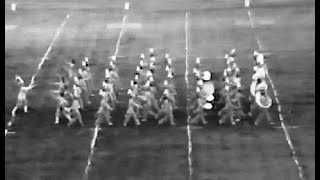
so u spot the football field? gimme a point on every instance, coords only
(53, 32)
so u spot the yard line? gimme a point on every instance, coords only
(7, 132)
(124, 20)
(45, 56)
(96, 129)
(188, 99)
(93, 143)
(253, 27)
(280, 113)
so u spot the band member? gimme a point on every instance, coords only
(86, 75)
(104, 109)
(227, 113)
(261, 104)
(109, 88)
(147, 106)
(131, 113)
(84, 88)
(76, 94)
(75, 113)
(166, 111)
(199, 111)
(62, 108)
(71, 69)
(22, 100)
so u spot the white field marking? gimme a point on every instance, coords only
(124, 20)
(188, 99)
(6, 131)
(288, 127)
(55, 83)
(96, 129)
(191, 127)
(280, 113)
(93, 143)
(262, 22)
(45, 56)
(10, 27)
(285, 130)
(128, 26)
(253, 27)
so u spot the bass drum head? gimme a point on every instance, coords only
(207, 106)
(208, 88)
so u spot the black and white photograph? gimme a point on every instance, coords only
(159, 90)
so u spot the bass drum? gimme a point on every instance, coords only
(207, 106)
(263, 101)
(208, 88)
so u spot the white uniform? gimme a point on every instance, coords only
(71, 71)
(229, 60)
(86, 75)
(262, 103)
(147, 107)
(167, 110)
(197, 73)
(109, 87)
(77, 96)
(105, 96)
(84, 90)
(131, 113)
(21, 99)
(228, 112)
(199, 111)
(260, 59)
(227, 72)
(237, 82)
(171, 97)
(143, 76)
(22, 96)
(114, 75)
(152, 66)
(170, 73)
(104, 111)
(259, 74)
(75, 113)
(62, 109)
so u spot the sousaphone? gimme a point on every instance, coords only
(263, 101)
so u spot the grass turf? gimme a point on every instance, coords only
(41, 151)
